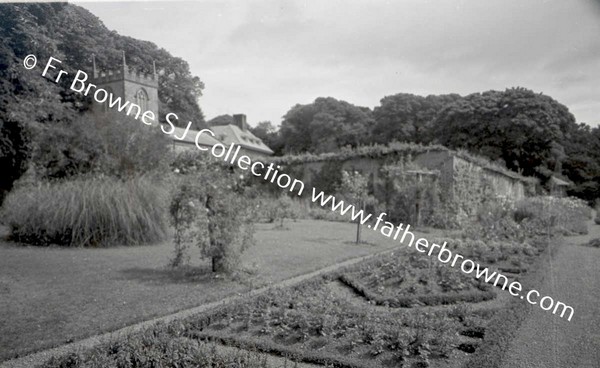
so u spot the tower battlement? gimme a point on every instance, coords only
(129, 74)
(129, 84)
(125, 72)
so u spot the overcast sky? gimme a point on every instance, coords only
(262, 57)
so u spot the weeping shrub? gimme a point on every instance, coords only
(93, 212)
(208, 209)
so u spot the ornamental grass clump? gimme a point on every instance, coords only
(95, 212)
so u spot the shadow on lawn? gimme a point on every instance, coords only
(181, 275)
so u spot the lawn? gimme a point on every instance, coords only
(50, 296)
(327, 322)
(428, 316)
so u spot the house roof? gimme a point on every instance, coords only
(559, 182)
(233, 134)
(190, 138)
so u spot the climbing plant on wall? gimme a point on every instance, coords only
(413, 193)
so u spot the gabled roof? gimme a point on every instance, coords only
(559, 182)
(205, 139)
(233, 134)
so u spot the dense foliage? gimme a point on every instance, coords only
(208, 210)
(525, 129)
(407, 280)
(527, 132)
(316, 325)
(269, 135)
(113, 144)
(160, 346)
(324, 126)
(30, 103)
(407, 118)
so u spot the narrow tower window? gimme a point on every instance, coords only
(141, 99)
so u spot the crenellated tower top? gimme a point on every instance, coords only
(125, 72)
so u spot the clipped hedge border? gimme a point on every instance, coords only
(294, 354)
(409, 301)
(505, 324)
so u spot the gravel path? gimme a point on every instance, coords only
(547, 341)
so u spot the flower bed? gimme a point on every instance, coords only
(313, 325)
(406, 280)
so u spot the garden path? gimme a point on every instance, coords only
(547, 341)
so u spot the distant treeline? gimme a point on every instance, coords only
(527, 132)
(41, 122)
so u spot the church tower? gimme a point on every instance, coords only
(129, 84)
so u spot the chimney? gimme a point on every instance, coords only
(240, 121)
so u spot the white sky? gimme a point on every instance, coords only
(261, 57)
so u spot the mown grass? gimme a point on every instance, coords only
(87, 212)
(79, 292)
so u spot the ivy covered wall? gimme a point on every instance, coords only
(450, 186)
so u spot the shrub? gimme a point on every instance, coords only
(319, 213)
(271, 209)
(209, 210)
(87, 212)
(595, 243)
(540, 215)
(495, 221)
(111, 144)
(160, 346)
(286, 208)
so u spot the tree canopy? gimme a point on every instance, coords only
(406, 117)
(325, 125)
(528, 132)
(524, 129)
(31, 104)
(270, 136)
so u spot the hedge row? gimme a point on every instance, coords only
(296, 354)
(409, 301)
(160, 346)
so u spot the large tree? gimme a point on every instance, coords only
(270, 136)
(324, 126)
(582, 164)
(524, 129)
(32, 105)
(406, 117)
